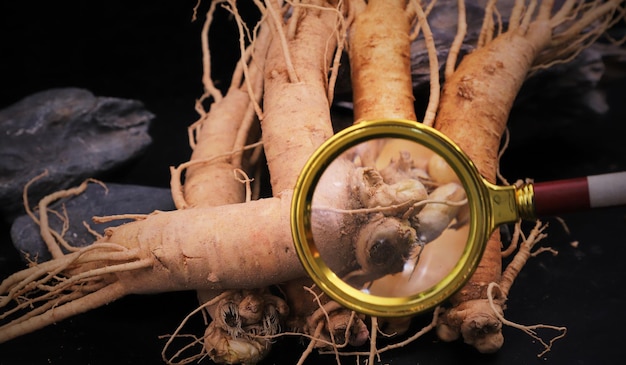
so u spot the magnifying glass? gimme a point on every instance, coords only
(416, 213)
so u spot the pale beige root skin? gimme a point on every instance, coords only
(210, 180)
(297, 118)
(434, 218)
(219, 135)
(391, 190)
(264, 248)
(380, 48)
(297, 121)
(297, 112)
(379, 40)
(187, 252)
(218, 132)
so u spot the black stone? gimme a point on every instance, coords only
(70, 133)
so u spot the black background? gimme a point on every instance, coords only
(150, 51)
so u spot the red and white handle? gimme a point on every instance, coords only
(562, 196)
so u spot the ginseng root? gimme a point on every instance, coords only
(474, 108)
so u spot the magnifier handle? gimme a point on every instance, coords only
(562, 196)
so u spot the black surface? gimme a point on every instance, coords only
(151, 52)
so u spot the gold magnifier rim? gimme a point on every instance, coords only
(354, 298)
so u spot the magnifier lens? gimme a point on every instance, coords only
(402, 209)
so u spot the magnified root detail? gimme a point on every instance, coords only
(400, 211)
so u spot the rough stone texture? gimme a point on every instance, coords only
(70, 133)
(95, 201)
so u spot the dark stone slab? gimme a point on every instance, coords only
(95, 201)
(70, 133)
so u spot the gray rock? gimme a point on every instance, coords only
(70, 133)
(95, 201)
